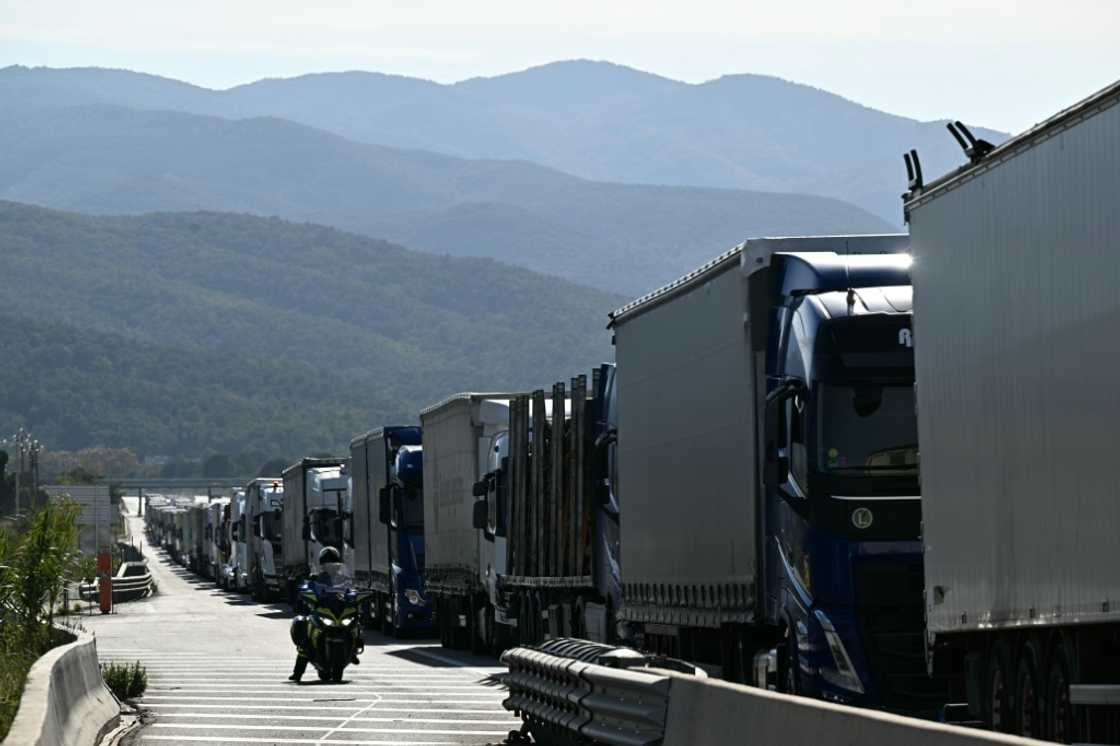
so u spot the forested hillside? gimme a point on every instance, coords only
(178, 333)
(619, 237)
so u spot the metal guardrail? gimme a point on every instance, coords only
(566, 695)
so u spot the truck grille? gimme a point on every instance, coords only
(892, 623)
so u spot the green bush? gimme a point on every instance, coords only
(125, 681)
(38, 554)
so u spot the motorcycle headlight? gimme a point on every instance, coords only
(327, 621)
(413, 596)
(348, 622)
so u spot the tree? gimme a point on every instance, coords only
(273, 467)
(217, 466)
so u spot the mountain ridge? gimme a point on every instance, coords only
(624, 238)
(742, 130)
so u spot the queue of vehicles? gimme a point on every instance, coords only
(743, 488)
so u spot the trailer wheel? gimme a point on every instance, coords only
(998, 701)
(385, 612)
(475, 631)
(1029, 692)
(1061, 724)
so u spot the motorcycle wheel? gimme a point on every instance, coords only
(336, 673)
(324, 674)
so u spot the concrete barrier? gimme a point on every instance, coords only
(709, 712)
(65, 701)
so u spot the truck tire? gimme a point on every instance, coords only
(789, 666)
(998, 704)
(1029, 692)
(385, 609)
(1061, 723)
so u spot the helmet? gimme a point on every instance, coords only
(328, 555)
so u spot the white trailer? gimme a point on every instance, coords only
(266, 503)
(315, 515)
(462, 563)
(1015, 315)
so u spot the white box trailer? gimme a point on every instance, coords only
(462, 565)
(1016, 310)
(315, 493)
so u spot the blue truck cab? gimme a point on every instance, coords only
(411, 611)
(401, 517)
(843, 562)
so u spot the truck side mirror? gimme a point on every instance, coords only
(385, 504)
(480, 515)
(480, 489)
(776, 469)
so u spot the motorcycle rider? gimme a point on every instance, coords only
(331, 575)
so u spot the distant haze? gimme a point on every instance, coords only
(1005, 64)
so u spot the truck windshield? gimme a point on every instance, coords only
(270, 526)
(326, 527)
(867, 428)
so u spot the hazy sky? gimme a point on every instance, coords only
(1000, 64)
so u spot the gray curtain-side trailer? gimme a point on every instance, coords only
(1016, 308)
(767, 470)
(462, 565)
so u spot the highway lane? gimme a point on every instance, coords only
(218, 665)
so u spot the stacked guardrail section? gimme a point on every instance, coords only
(132, 581)
(577, 692)
(566, 696)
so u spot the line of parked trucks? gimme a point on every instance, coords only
(872, 469)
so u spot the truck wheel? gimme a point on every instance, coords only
(386, 610)
(789, 666)
(997, 702)
(1028, 692)
(474, 629)
(1061, 725)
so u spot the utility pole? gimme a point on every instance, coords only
(21, 437)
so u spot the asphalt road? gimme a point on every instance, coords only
(218, 665)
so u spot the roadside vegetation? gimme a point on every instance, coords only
(38, 556)
(125, 681)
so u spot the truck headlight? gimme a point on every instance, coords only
(844, 675)
(413, 597)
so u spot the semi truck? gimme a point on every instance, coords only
(768, 471)
(314, 516)
(195, 530)
(461, 566)
(547, 492)
(238, 572)
(1015, 299)
(387, 493)
(266, 503)
(216, 538)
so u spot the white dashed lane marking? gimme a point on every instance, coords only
(200, 699)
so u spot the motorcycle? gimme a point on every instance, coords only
(329, 636)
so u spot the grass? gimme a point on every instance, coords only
(125, 681)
